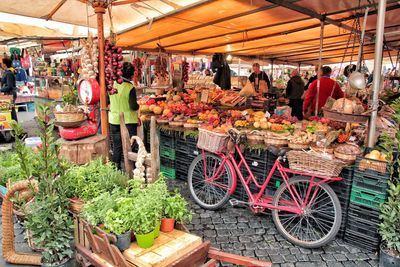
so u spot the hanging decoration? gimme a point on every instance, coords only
(89, 58)
(185, 71)
(137, 65)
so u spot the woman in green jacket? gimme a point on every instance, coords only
(124, 101)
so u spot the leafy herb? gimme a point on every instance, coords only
(176, 207)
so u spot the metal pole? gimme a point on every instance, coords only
(321, 43)
(272, 71)
(100, 10)
(360, 50)
(380, 28)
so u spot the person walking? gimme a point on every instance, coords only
(124, 101)
(8, 84)
(294, 91)
(328, 88)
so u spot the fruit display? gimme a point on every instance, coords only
(376, 155)
(114, 62)
(350, 106)
(302, 137)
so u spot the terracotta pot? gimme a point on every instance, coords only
(167, 225)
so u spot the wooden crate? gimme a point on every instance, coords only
(167, 248)
(84, 150)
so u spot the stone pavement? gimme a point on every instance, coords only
(237, 230)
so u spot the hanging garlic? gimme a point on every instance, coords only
(139, 171)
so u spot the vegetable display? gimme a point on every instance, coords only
(185, 71)
(113, 61)
(89, 59)
(137, 65)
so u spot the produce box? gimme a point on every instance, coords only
(366, 197)
(169, 173)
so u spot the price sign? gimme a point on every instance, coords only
(204, 96)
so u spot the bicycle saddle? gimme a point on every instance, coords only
(278, 151)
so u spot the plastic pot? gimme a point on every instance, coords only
(123, 241)
(387, 260)
(157, 230)
(167, 225)
(145, 240)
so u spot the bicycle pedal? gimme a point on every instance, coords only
(237, 203)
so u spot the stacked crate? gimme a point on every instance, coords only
(186, 151)
(167, 155)
(367, 194)
(343, 190)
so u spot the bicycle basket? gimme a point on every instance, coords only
(211, 141)
(313, 163)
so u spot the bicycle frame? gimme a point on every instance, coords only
(259, 200)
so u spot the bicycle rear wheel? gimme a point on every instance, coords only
(320, 221)
(214, 193)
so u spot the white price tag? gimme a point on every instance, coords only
(267, 114)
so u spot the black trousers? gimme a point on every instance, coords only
(115, 134)
(297, 108)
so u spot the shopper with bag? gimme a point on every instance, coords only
(328, 88)
(124, 101)
(260, 80)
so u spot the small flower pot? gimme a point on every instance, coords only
(145, 240)
(123, 241)
(157, 230)
(167, 225)
(388, 260)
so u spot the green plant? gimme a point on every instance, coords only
(118, 220)
(72, 97)
(48, 220)
(176, 207)
(143, 215)
(96, 209)
(389, 229)
(157, 193)
(91, 180)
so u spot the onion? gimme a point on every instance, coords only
(119, 73)
(120, 58)
(119, 50)
(120, 80)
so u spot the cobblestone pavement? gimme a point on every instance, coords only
(237, 230)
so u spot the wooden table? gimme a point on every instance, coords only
(167, 248)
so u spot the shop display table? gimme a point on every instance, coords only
(167, 248)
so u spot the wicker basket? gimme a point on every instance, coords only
(299, 146)
(75, 205)
(254, 139)
(211, 141)
(375, 165)
(314, 163)
(348, 158)
(328, 149)
(69, 116)
(176, 124)
(274, 141)
(344, 117)
(162, 121)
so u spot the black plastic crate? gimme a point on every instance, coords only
(364, 213)
(240, 192)
(361, 241)
(167, 140)
(370, 181)
(362, 226)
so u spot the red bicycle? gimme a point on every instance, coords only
(305, 209)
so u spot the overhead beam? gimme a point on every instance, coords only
(54, 10)
(124, 2)
(327, 20)
(213, 22)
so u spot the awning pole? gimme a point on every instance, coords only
(272, 71)
(360, 50)
(321, 43)
(100, 10)
(380, 28)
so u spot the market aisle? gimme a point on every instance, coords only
(238, 231)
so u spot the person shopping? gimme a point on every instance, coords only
(124, 101)
(8, 84)
(260, 80)
(328, 88)
(294, 91)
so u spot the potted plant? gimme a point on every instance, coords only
(144, 216)
(175, 210)
(157, 193)
(118, 221)
(48, 218)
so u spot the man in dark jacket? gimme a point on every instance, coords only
(8, 85)
(294, 91)
(312, 78)
(222, 76)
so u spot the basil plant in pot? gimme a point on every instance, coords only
(175, 210)
(157, 193)
(118, 221)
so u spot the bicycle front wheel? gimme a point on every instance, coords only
(209, 182)
(320, 221)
